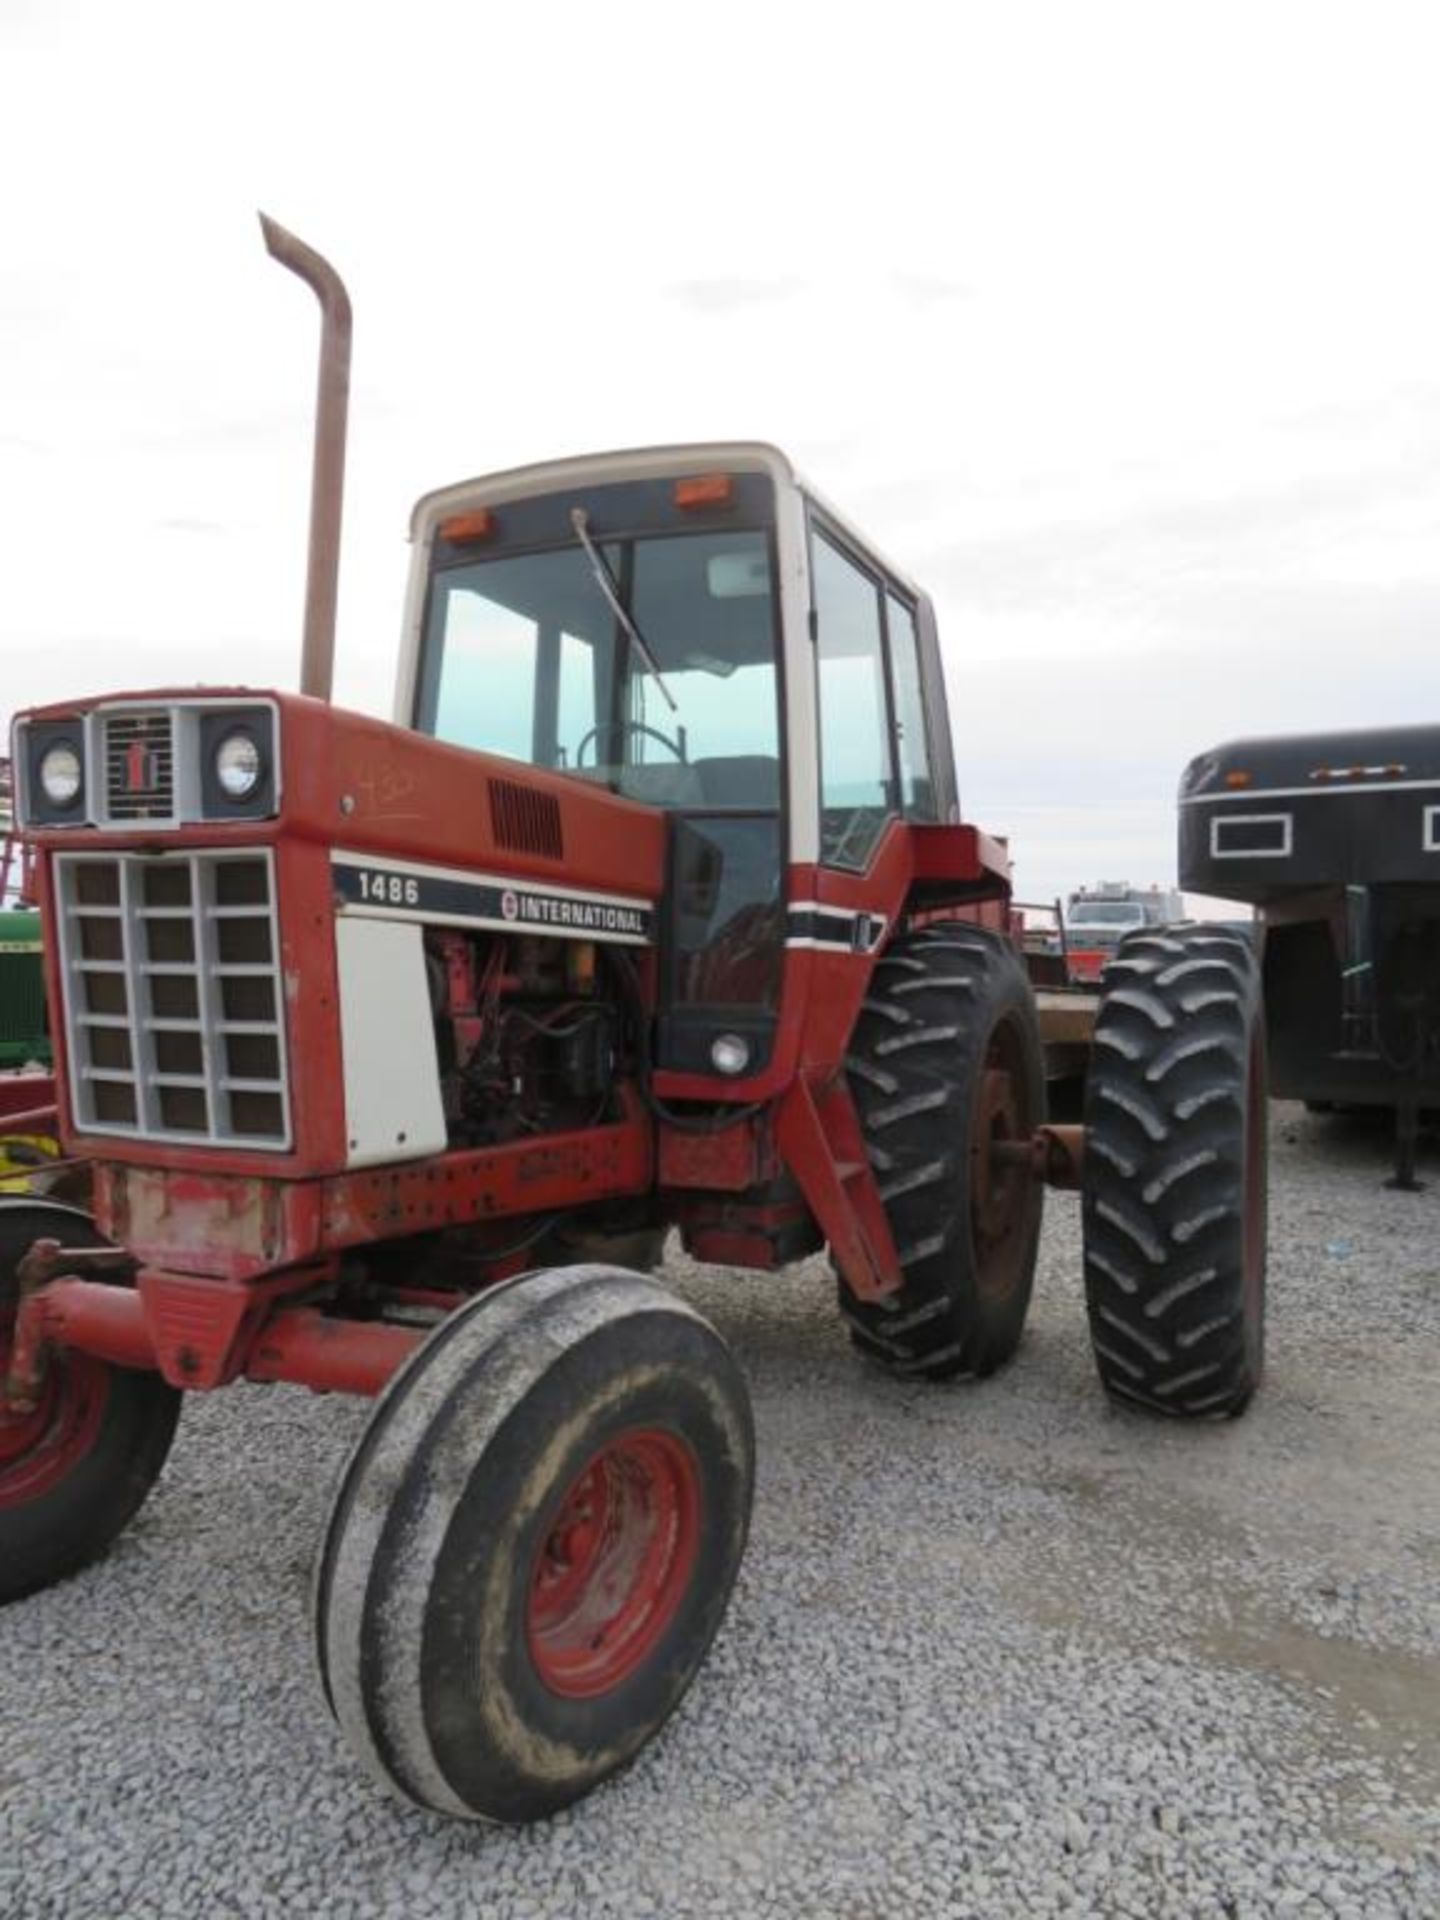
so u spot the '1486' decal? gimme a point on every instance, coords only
(388, 889)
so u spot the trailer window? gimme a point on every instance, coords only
(856, 777)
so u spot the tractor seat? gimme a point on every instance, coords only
(740, 780)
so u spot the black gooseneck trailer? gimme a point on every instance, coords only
(1334, 839)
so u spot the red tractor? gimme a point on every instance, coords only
(394, 1049)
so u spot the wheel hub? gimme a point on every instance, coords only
(614, 1563)
(42, 1442)
(998, 1185)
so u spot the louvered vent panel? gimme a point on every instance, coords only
(526, 821)
(139, 766)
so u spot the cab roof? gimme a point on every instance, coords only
(640, 463)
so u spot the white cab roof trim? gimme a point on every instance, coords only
(632, 463)
(643, 463)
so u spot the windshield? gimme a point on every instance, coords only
(525, 656)
(1096, 913)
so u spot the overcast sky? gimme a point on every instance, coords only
(1117, 327)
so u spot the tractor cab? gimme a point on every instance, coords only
(692, 628)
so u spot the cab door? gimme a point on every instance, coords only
(724, 941)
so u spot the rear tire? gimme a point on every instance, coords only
(75, 1471)
(533, 1546)
(946, 1057)
(1175, 1174)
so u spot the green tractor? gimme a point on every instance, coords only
(27, 1089)
(23, 1039)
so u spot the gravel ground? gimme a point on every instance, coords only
(997, 1649)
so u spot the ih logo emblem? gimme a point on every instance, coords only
(141, 764)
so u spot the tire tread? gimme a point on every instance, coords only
(1173, 1325)
(913, 1064)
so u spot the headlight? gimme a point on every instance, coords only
(238, 766)
(61, 774)
(730, 1053)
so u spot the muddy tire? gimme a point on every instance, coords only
(533, 1545)
(1175, 1174)
(76, 1469)
(945, 1058)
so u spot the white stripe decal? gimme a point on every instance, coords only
(805, 944)
(1330, 790)
(859, 931)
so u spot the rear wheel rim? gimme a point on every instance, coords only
(38, 1449)
(614, 1564)
(1002, 1195)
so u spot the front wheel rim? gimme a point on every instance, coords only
(39, 1448)
(616, 1559)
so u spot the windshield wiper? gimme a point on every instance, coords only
(605, 580)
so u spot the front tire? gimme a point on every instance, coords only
(75, 1470)
(1175, 1174)
(945, 1060)
(534, 1543)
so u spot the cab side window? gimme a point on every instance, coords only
(917, 789)
(857, 777)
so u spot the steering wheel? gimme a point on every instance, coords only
(625, 728)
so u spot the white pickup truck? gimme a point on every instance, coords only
(1097, 919)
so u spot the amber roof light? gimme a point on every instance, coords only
(705, 490)
(462, 528)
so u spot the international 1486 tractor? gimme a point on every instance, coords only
(393, 1049)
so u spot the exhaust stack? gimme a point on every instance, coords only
(327, 486)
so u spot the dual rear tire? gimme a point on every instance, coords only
(946, 1066)
(1175, 1174)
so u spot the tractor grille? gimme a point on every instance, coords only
(173, 1009)
(526, 821)
(139, 758)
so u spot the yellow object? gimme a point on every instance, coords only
(19, 1153)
